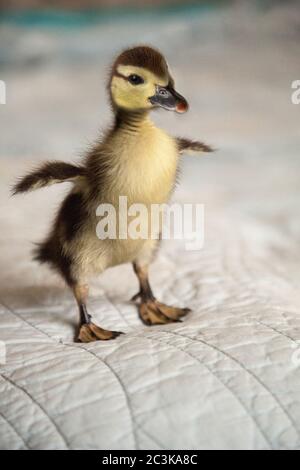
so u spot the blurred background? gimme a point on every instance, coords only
(234, 385)
(235, 62)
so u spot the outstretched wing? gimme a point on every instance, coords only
(47, 174)
(187, 145)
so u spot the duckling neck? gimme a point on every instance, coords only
(131, 121)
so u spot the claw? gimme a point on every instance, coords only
(135, 297)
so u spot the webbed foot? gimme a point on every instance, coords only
(153, 312)
(89, 332)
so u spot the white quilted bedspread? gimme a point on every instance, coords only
(228, 376)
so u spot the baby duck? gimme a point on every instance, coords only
(134, 159)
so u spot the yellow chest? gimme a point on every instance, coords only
(144, 165)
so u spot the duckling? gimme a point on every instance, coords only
(134, 158)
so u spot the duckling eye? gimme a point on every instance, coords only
(163, 92)
(135, 79)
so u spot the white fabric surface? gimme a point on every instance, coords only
(222, 379)
(225, 378)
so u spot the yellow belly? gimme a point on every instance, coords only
(144, 166)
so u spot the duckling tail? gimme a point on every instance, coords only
(47, 174)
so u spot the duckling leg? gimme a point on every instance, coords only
(87, 330)
(151, 311)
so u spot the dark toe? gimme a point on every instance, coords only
(115, 334)
(187, 310)
(135, 297)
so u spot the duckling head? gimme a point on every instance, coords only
(140, 80)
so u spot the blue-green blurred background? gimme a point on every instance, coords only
(234, 61)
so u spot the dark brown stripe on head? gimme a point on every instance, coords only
(143, 56)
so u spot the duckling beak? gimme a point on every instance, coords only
(168, 98)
